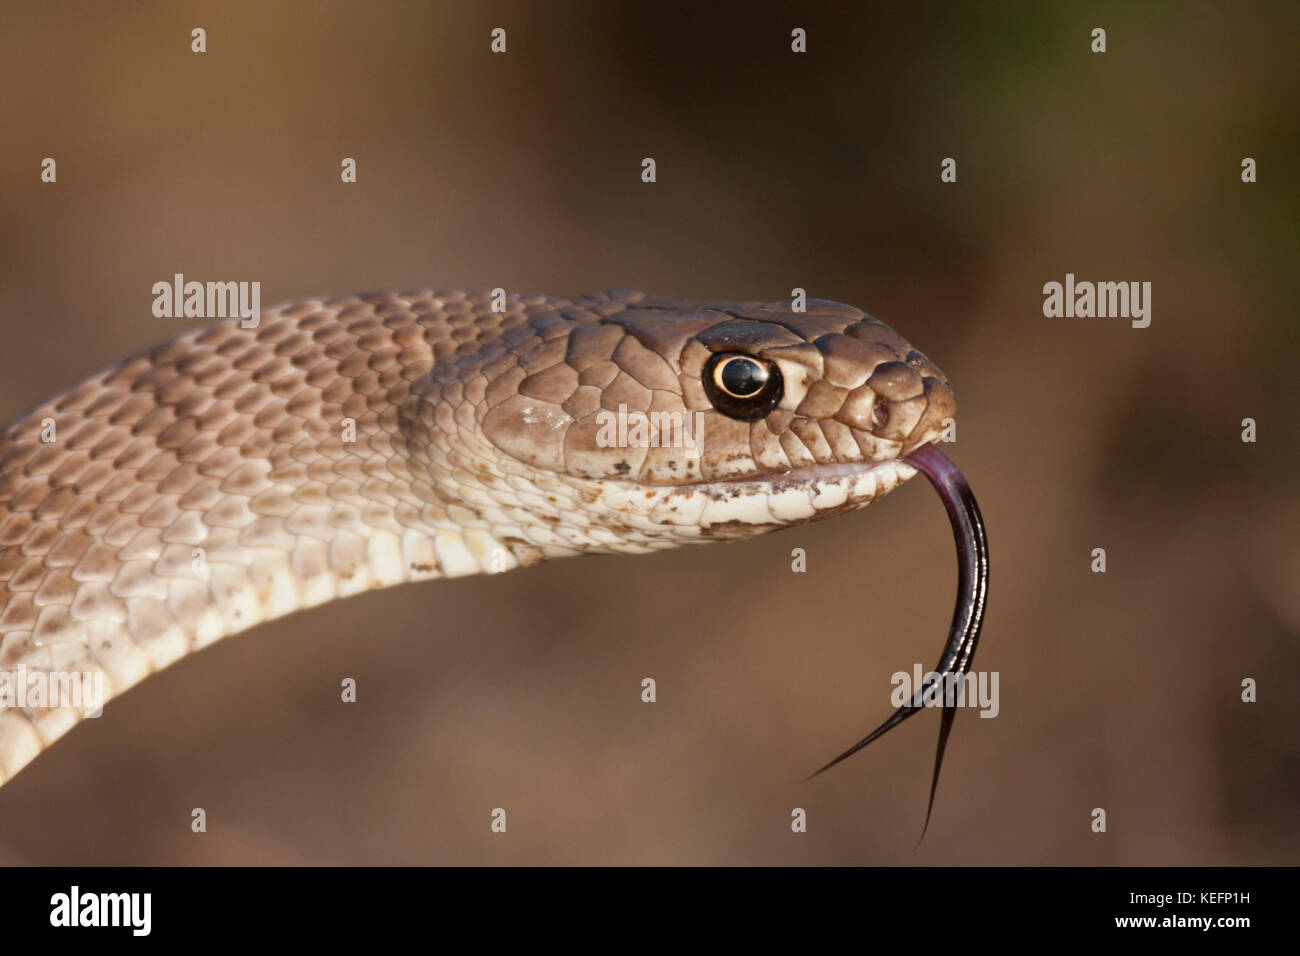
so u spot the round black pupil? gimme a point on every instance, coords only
(743, 377)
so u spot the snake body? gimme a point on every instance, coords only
(234, 475)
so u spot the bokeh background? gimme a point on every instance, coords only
(775, 170)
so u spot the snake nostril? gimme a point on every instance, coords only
(880, 414)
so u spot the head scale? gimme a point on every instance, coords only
(640, 421)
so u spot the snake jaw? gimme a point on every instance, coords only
(968, 613)
(752, 504)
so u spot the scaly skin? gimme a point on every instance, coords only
(213, 482)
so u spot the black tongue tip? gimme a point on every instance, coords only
(968, 614)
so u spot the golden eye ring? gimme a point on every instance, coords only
(742, 386)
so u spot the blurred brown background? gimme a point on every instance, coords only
(775, 170)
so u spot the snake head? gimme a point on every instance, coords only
(710, 419)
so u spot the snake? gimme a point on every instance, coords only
(244, 471)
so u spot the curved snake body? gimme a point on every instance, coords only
(235, 475)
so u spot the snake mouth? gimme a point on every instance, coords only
(816, 478)
(814, 474)
(746, 505)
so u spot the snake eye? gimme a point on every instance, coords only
(741, 386)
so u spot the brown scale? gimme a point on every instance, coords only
(231, 440)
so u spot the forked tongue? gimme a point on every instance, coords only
(967, 616)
